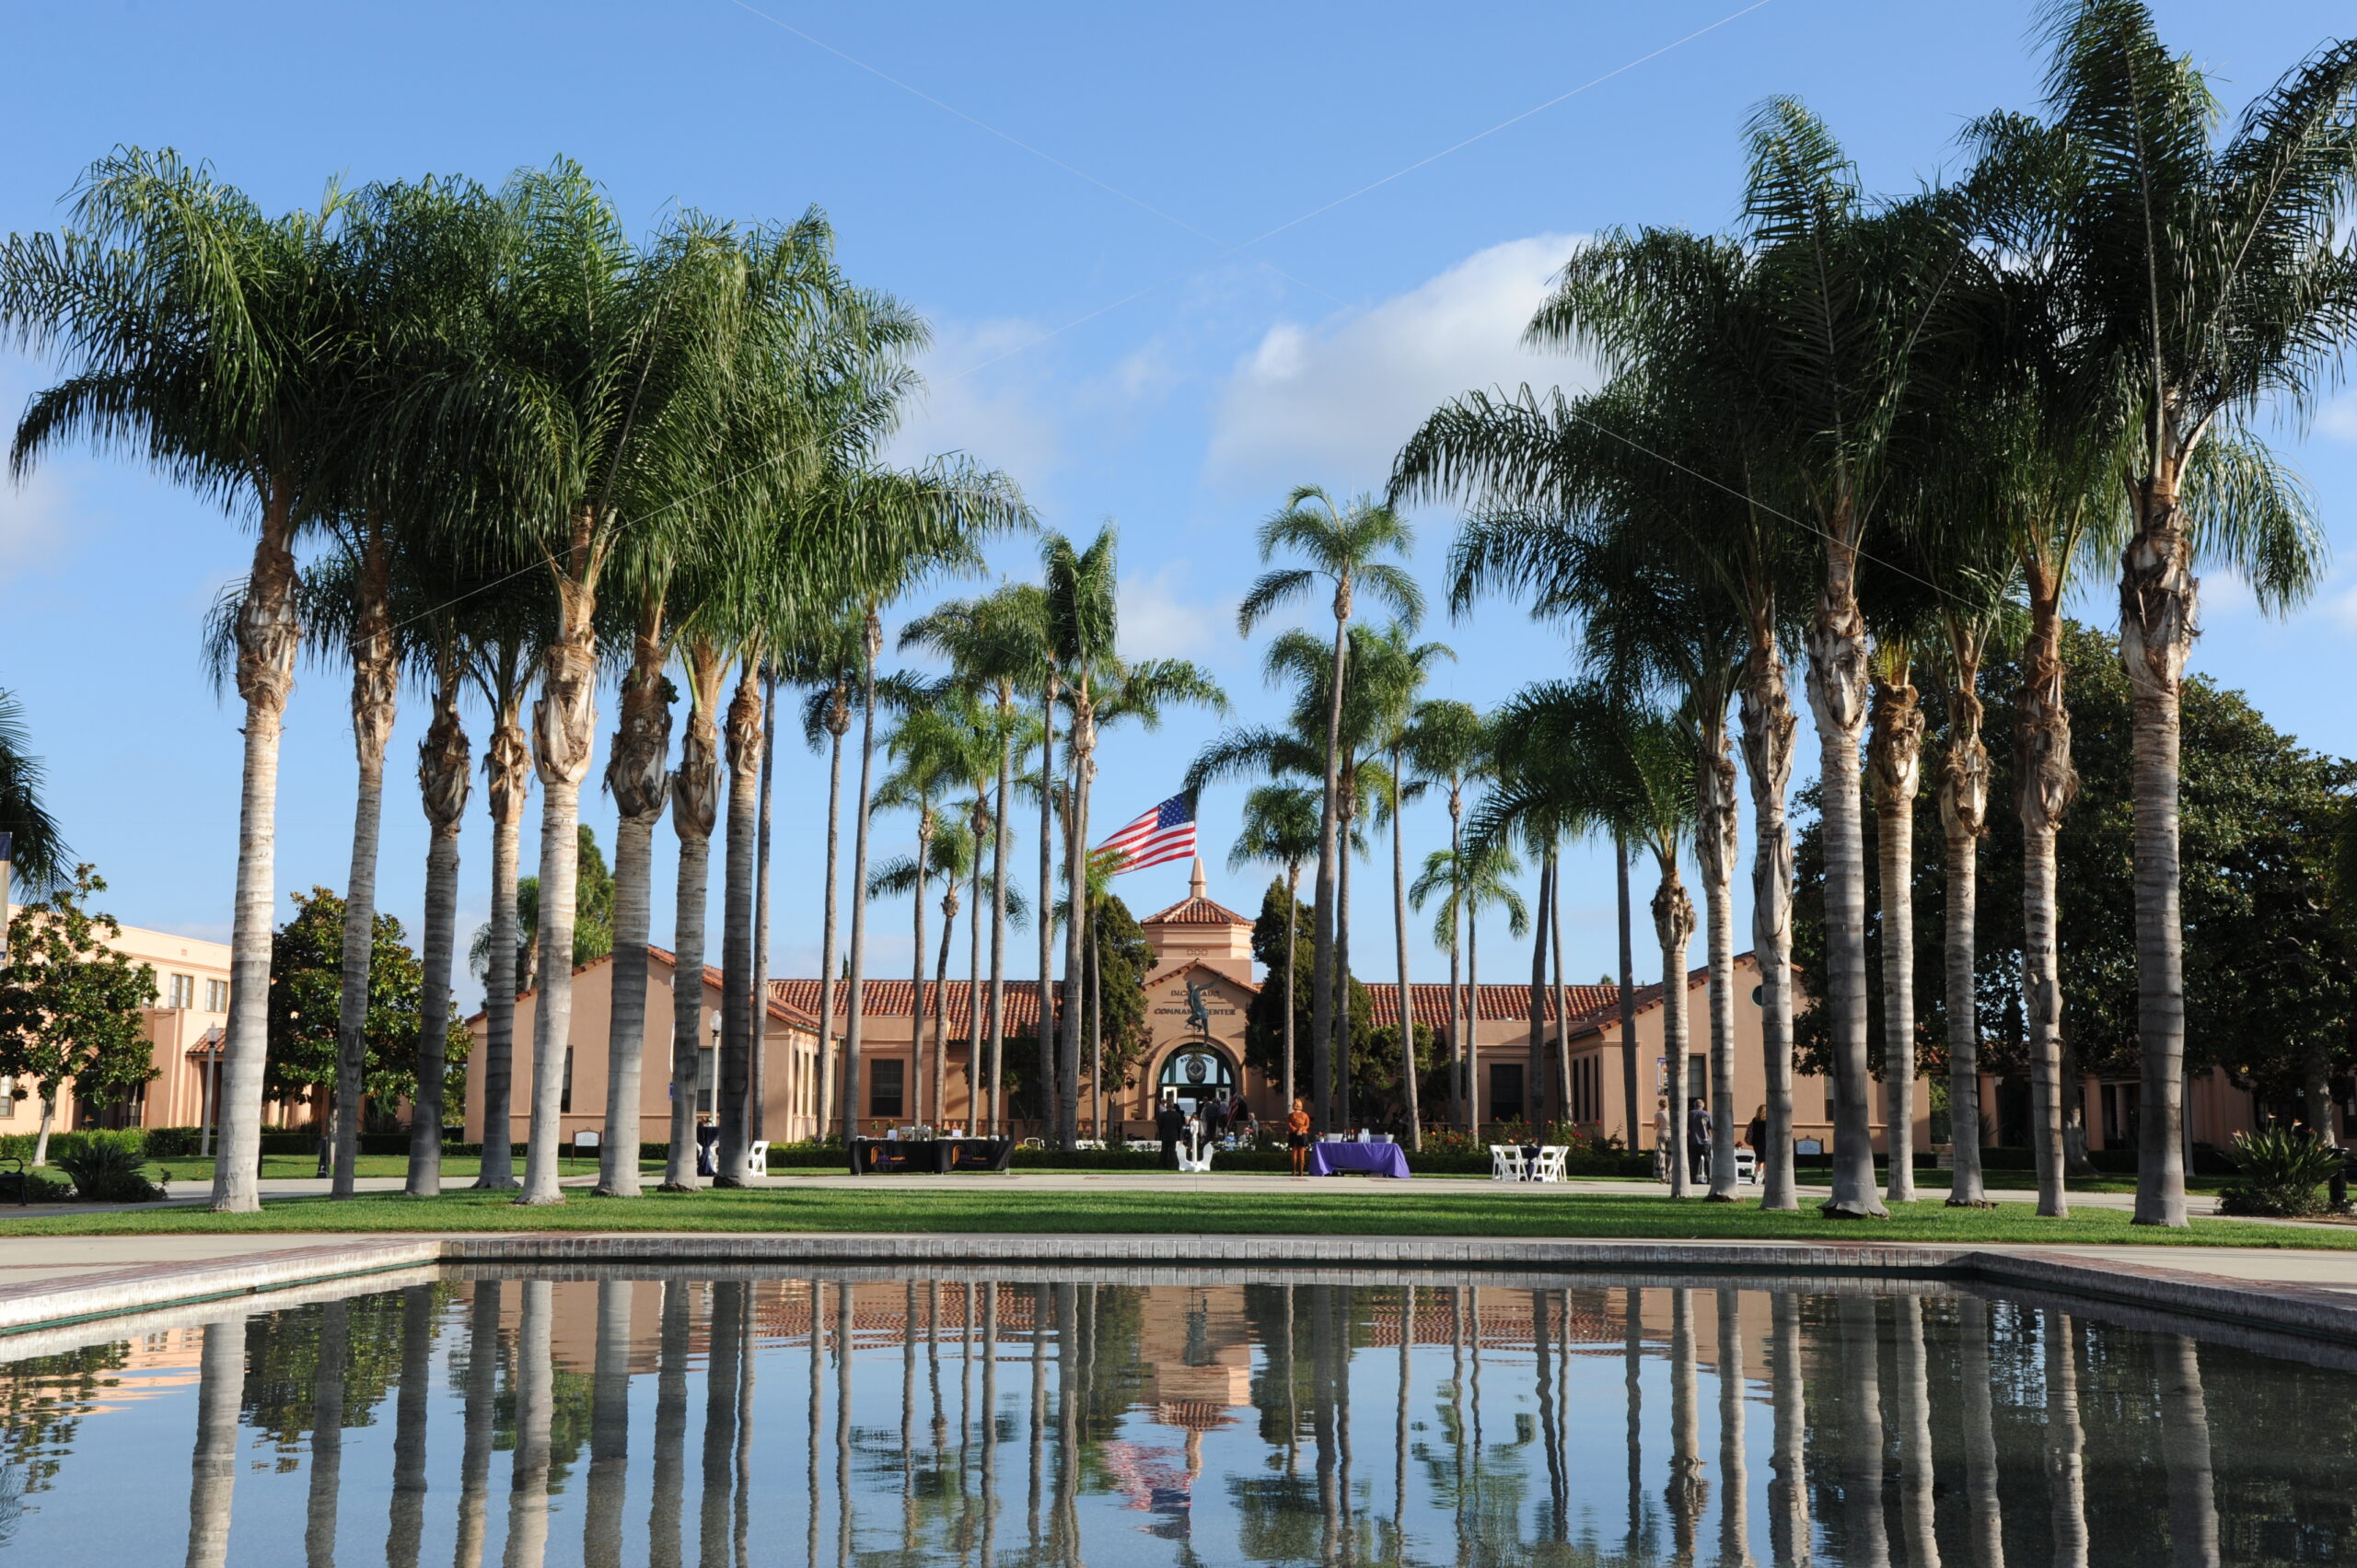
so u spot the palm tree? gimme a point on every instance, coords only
(1404, 667)
(1465, 881)
(204, 336)
(1893, 771)
(997, 646)
(926, 745)
(1280, 827)
(829, 667)
(502, 671)
(2251, 299)
(695, 807)
(1343, 545)
(948, 851)
(1449, 745)
(37, 849)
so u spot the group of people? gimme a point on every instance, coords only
(1213, 1120)
(1698, 1138)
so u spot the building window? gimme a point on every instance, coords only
(216, 996)
(1505, 1091)
(182, 992)
(9, 1102)
(883, 1079)
(564, 1096)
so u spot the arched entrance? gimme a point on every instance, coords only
(1196, 1071)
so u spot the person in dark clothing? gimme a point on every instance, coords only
(1755, 1135)
(1170, 1125)
(1698, 1141)
(707, 1146)
(1214, 1119)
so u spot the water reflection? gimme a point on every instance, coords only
(1041, 1423)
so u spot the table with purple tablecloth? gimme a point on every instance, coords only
(1333, 1157)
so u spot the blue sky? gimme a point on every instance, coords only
(1176, 261)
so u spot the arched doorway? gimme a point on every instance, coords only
(1196, 1073)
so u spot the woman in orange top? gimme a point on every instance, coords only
(1297, 1130)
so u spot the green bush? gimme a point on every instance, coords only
(2282, 1172)
(109, 1169)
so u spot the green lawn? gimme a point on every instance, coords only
(1412, 1212)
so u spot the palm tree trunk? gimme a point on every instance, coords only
(838, 721)
(509, 764)
(1768, 727)
(1631, 1089)
(758, 1057)
(1330, 856)
(2157, 597)
(1837, 695)
(1867, 1541)
(1964, 813)
(1911, 1414)
(1674, 925)
(916, 1102)
(1408, 1085)
(1045, 914)
(667, 1481)
(1339, 1106)
(1096, 1042)
(563, 734)
(1456, 1030)
(695, 804)
(528, 1494)
(267, 636)
(213, 1470)
(1535, 1045)
(1461, 1018)
(480, 1404)
(998, 917)
(637, 778)
(327, 1433)
(1734, 1470)
(941, 1005)
(1788, 1522)
(1292, 906)
(978, 1087)
(608, 1478)
(442, 784)
(1982, 1476)
(2047, 785)
(1472, 1023)
(736, 1000)
(1084, 769)
(1715, 847)
(1563, 990)
(2066, 1473)
(1894, 753)
(873, 646)
(376, 681)
(407, 1523)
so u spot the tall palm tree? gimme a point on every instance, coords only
(1449, 745)
(829, 667)
(502, 672)
(205, 336)
(1465, 881)
(948, 851)
(1894, 772)
(1405, 666)
(695, 807)
(1280, 828)
(2207, 278)
(927, 745)
(1345, 546)
(997, 646)
(37, 850)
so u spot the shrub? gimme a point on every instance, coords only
(108, 1169)
(2282, 1170)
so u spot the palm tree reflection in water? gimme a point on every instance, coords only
(1166, 1424)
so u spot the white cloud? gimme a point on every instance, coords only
(33, 518)
(983, 397)
(1158, 621)
(1332, 403)
(2339, 418)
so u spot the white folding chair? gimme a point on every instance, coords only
(1747, 1165)
(1506, 1163)
(757, 1158)
(1550, 1163)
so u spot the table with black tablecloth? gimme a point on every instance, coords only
(1333, 1157)
(933, 1156)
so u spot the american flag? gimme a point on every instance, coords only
(1166, 832)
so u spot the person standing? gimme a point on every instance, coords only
(1661, 1139)
(1214, 1114)
(1756, 1134)
(1170, 1121)
(1297, 1134)
(1698, 1141)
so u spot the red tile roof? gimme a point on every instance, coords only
(780, 1008)
(1195, 911)
(1593, 1007)
(889, 999)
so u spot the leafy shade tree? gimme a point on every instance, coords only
(70, 1005)
(202, 335)
(2209, 277)
(37, 849)
(593, 929)
(1344, 545)
(306, 989)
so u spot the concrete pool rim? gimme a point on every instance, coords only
(2158, 1296)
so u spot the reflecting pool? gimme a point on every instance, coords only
(1226, 1417)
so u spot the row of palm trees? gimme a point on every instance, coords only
(518, 449)
(1877, 436)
